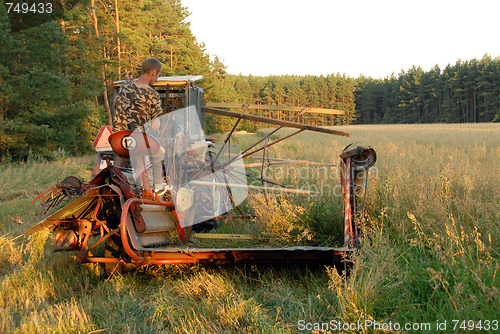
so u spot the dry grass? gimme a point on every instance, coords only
(431, 226)
(281, 222)
(430, 249)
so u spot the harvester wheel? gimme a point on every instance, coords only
(114, 249)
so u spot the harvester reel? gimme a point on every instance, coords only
(71, 186)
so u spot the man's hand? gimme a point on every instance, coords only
(129, 76)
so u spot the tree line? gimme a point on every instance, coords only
(466, 92)
(55, 79)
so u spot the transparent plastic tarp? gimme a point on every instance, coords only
(206, 179)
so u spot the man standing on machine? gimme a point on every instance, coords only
(138, 103)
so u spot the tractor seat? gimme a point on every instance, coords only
(127, 141)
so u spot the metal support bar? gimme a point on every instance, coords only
(272, 143)
(84, 257)
(261, 179)
(227, 138)
(275, 121)
(273, 132)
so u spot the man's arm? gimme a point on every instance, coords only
(157, 106)
(155, 124)
(120, 119)
(121, 105)
(158, 111)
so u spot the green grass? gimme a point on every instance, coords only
(430, 252)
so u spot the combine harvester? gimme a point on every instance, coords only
(206, 181)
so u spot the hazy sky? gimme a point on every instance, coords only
(374, 38)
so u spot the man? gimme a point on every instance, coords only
(138, 103)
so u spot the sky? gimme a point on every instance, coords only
(375, 38)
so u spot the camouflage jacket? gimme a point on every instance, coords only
(135, 106)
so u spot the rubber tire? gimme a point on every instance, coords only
(114, 249)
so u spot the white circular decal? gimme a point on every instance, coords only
(129, 143)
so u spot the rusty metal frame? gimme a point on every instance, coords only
(346, 182)
(186, 254)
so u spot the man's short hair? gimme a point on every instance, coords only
(150, 64)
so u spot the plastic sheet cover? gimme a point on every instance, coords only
(206, 179)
